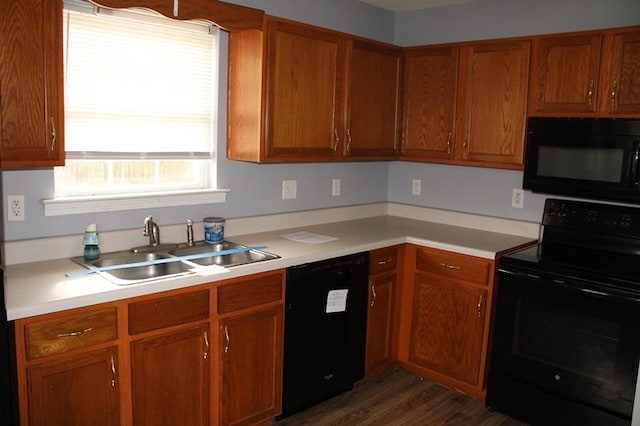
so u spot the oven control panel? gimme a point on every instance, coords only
(592, 217)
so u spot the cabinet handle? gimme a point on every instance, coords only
(54, 134)
(444, 265)
(614, 89)
(479, 306)
(373, 294)
(227, 340)
(449, 144)
(206, 345)
(348, 140)
(113, 372)
(175, 7)
(75, 333)
(336, 140)
(590, 93)
(465, 145)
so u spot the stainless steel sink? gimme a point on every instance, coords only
(121, 269)
(241, 256)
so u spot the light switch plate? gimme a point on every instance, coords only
(289, 189)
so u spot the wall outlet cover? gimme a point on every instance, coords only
(517, 198)
(15, 208)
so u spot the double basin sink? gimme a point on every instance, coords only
(157, 262)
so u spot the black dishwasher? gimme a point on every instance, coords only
(325, 330)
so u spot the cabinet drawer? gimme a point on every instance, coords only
(246, 294)
(454, 265)
(383, 260)
(72, 332)
(168, 311)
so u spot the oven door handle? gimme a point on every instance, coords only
(579, 286)
(635, 165)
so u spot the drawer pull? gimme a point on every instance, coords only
(113, 372)
(75, 333)
(444, 265)
(385, 261)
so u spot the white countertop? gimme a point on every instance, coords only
(41, 287)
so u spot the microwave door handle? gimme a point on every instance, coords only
(635, 169)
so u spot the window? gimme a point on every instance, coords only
(140, 97)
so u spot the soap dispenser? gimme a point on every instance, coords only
(91, 243)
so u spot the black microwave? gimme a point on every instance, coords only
(594, 158)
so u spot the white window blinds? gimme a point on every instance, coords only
(138, 86)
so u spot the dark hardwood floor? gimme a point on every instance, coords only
(397, 397)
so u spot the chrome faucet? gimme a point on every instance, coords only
(151, 230)
(189, 233)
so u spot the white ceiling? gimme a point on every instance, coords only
(407, 5)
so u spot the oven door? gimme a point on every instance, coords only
(563, 340)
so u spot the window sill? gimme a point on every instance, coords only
(110, 203)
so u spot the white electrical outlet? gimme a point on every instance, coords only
(335, 187)
(15, 208)
(289, 189)
(517, 198)
(416, 187)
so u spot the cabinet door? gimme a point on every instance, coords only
(430, 81)
(78, 390)
(447, 327)
(623, 95)
(372, 97)
(303, 92)
(495, 102)
(251, 367)
(170, 374)
(567, 70)
(380, 322)
(31, 84)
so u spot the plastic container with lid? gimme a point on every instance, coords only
(213, 229)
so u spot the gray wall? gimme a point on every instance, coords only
(255, 189)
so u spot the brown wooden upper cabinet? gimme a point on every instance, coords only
(303, 93)
(588, 73)
(31, 82)
(430, 83)
(466, 103)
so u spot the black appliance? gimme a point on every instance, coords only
(8, 401)
(325, 330)
(566, 326)
(595, 158)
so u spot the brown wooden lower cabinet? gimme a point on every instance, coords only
(153, 360)
(448, 322)
(78, 390)
(251, 366)
(443, 317)
(170, 378)
(380, 322)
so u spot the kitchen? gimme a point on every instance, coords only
(464, 189)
